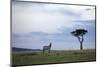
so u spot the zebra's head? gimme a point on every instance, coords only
(50, 45)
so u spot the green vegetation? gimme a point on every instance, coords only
(53, 57)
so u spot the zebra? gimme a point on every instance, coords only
(47, 48)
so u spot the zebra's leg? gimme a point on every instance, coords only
(49, 50)
(43, 51)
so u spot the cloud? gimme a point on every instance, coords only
(47, 18)
(35, 25)
(88, 14)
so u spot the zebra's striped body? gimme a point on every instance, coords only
(48, 48)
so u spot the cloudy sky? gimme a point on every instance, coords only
(37, 24)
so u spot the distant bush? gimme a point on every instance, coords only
(27, 54)
(75, 53)
(33, 53)
(57, 54)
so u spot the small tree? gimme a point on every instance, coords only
(79, 33)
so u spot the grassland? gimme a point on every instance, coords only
(33, 58)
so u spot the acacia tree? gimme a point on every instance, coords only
(79, 33)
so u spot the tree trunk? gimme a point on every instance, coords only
(81, 39)
(81, 45)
